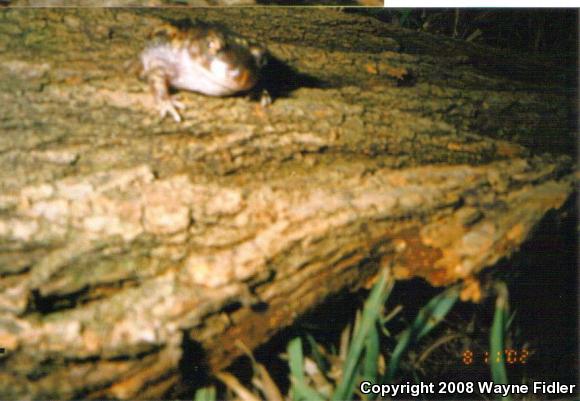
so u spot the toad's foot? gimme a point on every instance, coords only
(265, 98)
(170, 106)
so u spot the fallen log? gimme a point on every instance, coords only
(122, 236)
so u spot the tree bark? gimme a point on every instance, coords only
(122, 237)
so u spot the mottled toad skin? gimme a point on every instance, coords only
(200, 58)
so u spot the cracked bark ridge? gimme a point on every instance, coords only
(121, 234)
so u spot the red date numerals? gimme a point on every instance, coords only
(508, 355)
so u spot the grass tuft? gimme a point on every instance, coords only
(497, 336)
(427, 319)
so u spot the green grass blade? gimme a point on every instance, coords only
(400, 348)
(300, 390)
(318, 357)
(435, 311)
(371, 357)
(303, 391)
(496, 340)
(205, 394)
(296, 359)
(371, 313)
(427, 319)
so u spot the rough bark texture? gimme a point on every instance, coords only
(120, 234)
(128, 3)
(185, 3)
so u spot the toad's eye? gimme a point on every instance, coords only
(259, 55)
(215, 44)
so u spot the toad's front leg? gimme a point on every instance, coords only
(158, 80)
